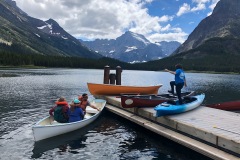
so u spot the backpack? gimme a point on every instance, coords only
(58, 114)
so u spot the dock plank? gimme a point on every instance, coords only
(220, 128)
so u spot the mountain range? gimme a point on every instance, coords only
(213, 45)
(132, 47)
(24, 34)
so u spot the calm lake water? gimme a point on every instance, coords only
(26, 95)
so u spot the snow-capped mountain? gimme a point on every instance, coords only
(132, 47)
(24, 34)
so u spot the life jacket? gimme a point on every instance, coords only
(83, 104)
(59, 115)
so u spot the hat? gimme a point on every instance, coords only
(61, 99)
(76, 101)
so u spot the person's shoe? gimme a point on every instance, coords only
(169, 91)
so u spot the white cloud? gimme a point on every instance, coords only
(191, 22)
(200, 5)
(212, 6)
(96, 19)
(185, 8)
(166, 28)
(166, 18)
(214, 3)
(178, 36)
(200, 1)
(91, 19)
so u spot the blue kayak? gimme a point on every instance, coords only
(173, 107)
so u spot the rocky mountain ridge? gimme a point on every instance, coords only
(224, 23)
(132, 47)
(24, 34)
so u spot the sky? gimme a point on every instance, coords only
(157, 20)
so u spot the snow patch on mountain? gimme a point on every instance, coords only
(37, 35)
(140, 38)
(112, 51)
(130, 48)
(64, 37)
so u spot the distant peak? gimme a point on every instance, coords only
(52, 21)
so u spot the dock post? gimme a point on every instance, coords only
(112, 78)
(118, 75)
(106, 74)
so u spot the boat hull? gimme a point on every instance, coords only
(47, 127)
(168, 109)
(108, 89)
(227, 106)
(130, 101)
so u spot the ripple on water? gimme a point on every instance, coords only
(26, 99)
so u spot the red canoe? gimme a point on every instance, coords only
(227, 106)
(129, 101)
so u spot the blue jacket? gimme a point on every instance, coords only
(179, 76)
(75, 115)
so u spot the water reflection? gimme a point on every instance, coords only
(25, 99)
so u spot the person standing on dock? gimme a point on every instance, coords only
(180, 81)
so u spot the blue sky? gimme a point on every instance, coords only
(157, 20)
(189, 18)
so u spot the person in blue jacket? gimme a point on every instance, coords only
(180, 81)
(75, 113)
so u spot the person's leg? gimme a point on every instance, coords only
(172, 84)
(178, 90)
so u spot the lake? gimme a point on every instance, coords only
(26, 95)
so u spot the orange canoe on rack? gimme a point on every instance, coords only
(109, 89)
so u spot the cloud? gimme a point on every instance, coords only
(166, 18)
(212, 6)
(185, 8)
(177, 36)
(214, 3)
(105, 19)
(199, 5)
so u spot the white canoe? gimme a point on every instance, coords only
(47, 127)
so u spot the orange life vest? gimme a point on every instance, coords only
(83, 104)
(61, 103)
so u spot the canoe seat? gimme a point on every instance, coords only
(171, 102)
(54, 122)
(188, 99)
(165, 104)
(88, 115)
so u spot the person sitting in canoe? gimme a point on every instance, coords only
(75, 113)
(180, 81)
(84, 102)
(59, 111)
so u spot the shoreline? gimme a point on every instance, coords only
(41, 67)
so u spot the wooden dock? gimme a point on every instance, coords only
(211, 132)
